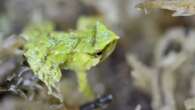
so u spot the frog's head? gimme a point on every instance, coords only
(105, 41)
(97, 44)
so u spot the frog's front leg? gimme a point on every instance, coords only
(84, 86)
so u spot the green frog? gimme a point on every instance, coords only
(48, 51)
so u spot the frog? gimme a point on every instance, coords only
(49, 51)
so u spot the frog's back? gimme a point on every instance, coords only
(45, 50)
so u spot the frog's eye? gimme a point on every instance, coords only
(99, 53)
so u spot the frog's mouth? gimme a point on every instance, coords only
(107, 50)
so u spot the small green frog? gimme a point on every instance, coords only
(48, 51)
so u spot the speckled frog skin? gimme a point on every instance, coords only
(48, 51)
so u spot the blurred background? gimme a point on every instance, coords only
(152, 67)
